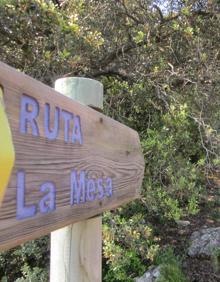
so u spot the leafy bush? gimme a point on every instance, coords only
(215, 258)
(128, 245)
(28, 260)
(34, 274)
(170, 267)
(161, 77)
(173, 179)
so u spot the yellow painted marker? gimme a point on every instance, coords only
(7, 152)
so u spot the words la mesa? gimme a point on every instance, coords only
(82, 188)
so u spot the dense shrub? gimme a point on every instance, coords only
(29, 262)
(160, 70)
(170, 267)
(129, 243)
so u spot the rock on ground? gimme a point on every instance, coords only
(149, 276)
(183, 223)
(204, 242)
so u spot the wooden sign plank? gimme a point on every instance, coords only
(71, 162)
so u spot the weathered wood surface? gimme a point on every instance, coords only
(109, 149)
(84, 264)
(76, 249)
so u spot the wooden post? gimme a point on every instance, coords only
(76, 250)
(71, 162)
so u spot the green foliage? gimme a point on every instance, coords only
(172, 273)
(173, 174)
(29, 261)
(215, 258)
(160, 70)
(128, 245)
(170, 267)
(34, 275)
(38, 38)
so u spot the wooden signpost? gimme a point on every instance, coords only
(74, 257)
(71, 162)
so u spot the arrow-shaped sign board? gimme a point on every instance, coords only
(71, 162)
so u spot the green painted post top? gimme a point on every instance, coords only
(84, 90)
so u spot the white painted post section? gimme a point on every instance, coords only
(76, 250)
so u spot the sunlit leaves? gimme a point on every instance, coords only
(139, 37)
(160, 70)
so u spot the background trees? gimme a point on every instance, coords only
(159, 63)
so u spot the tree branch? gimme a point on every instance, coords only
(111, 72)
(160, 12)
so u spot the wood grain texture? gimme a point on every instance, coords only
(81, 256)
(110, 149)
(76, 250)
